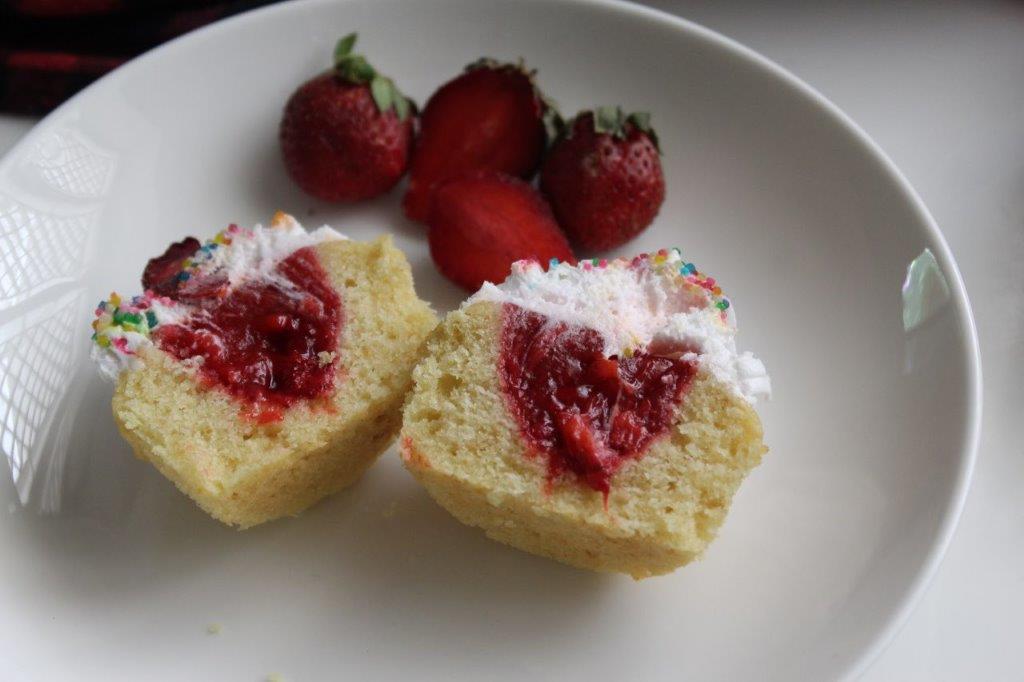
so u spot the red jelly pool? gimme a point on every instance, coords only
(587, 413)
(260, 341)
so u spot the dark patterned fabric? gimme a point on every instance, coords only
(51, 49)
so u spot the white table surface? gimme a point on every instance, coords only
(940, 86)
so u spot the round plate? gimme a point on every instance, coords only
(107, 571)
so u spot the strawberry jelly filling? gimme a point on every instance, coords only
(267, 342)
(586, 412)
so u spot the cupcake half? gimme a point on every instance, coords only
(266, 368)
(597, 414)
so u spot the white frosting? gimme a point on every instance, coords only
(637, 304)
(252, 254)
(111, 362)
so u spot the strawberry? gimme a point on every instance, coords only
(492, 117)
(346, 134)
(164, 276)
(603, 178)
(161, 273)
(483, 222)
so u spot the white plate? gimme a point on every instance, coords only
(107, 572)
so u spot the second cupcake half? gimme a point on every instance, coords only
(598, 414)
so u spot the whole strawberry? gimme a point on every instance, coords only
(603, 178)
(492, 117)
(346, 134)
(483, 222)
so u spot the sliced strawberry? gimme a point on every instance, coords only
(585, 446)
(276, 323)
(161, 273)
(604, 369)
(482, 223)
(492, 117)
(603, 178)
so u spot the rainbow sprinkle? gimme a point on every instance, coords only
(117, 321)
(122, 325)
(223, 238)
(692, 276)
(663, 261)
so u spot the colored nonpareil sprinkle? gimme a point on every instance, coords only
(664, 260)
(123, 324)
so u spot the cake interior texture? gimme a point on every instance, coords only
(243, 472)
(664, 507)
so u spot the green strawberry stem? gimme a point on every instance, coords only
(353, 68)
(613, 121)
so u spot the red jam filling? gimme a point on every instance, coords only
(586, 412)
(261, 341)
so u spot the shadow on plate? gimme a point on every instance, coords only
(381, 551)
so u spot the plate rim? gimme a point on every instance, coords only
(895, 620)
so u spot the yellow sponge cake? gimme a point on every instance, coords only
(266, 368)
(597, 414)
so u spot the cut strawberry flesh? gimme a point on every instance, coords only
(587, 413)
(486, 119)
(483, 222)
(261, 341)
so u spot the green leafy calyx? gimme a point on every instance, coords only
(615, 122)
(353, 68)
